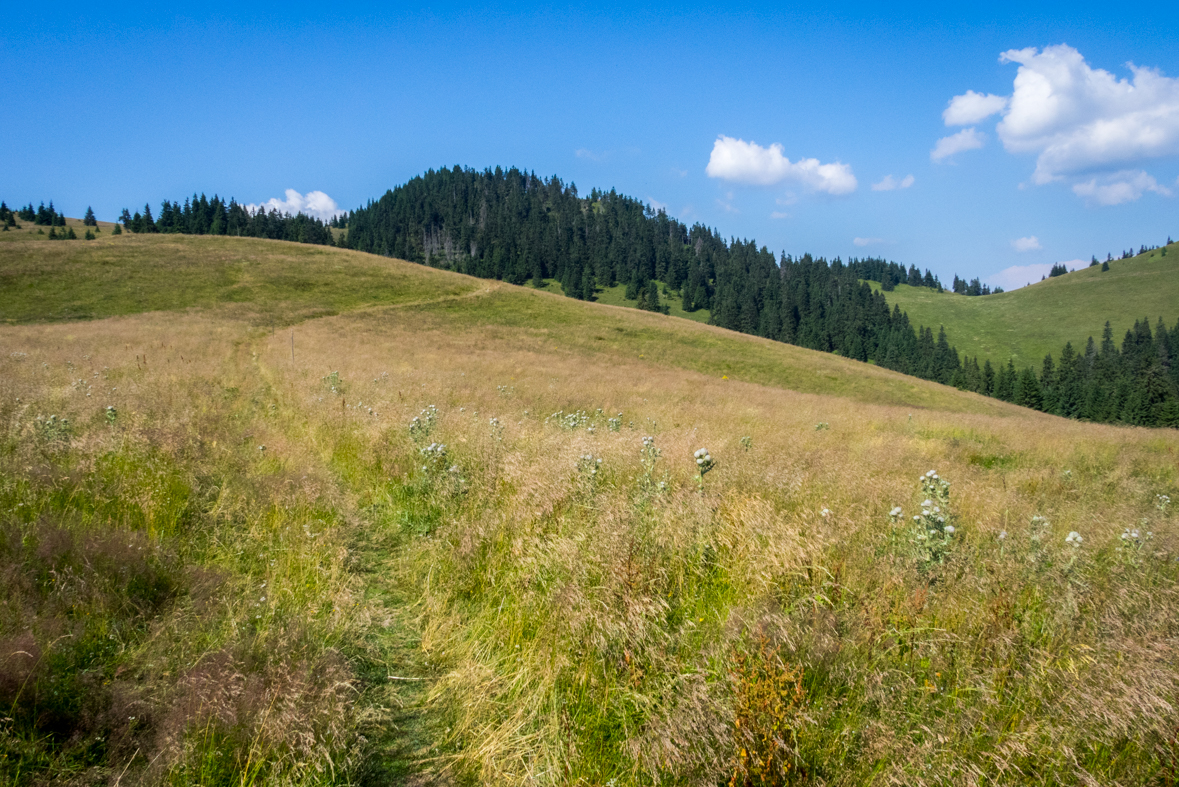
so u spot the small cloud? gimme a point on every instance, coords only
(1030, 243)
(867, 241)
(1018, 275)
(590, 155)
(739, 161)
(966, 139)
(313, 203)
(657, 206)
(726, 207)
(779, 214)
(683, 173)
(892, 184)
(970, 107)
(1119, 187)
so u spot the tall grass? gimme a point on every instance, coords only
(251, 573)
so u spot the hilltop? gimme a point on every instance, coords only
(1028, 323)
(282, 513)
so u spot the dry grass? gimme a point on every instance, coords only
(563, 628)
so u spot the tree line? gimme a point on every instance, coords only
(203, 216)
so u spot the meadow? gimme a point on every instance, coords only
(1028, 323)
(405, 526)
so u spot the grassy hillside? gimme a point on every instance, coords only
(225, 563)
(1028, 323)
(616, 296)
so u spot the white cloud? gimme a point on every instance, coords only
(890, 183)
(586, 153)
(966, 139)
(970, 107)
(1018, 275)
(779, 214)
(1118, 188)
(313, 203)
(657, 206)
(747, 162)
(867, 241)
(1030, 243)
(1077, 118)
(726, 206)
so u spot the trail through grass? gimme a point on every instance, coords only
(230, 558)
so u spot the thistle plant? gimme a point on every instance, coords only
(933, 535)
(333, 382)
(821, 425)
(111, 414)
(615, 424)
(497, 429)
(54, 430)
(1134, 542)
(704, 463)
(587, 467)
(747, 442)
(650, 456)
(1162, 503)
(434, 456)
(422, 425)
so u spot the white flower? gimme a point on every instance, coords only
(825, 512)
(1002, 534)
(927, 504)
(895, 512)
(1074, 538)
(949, 530)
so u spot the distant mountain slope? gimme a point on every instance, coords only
(1026, 324)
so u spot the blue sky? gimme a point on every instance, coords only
(772, 122)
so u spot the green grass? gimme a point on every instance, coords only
(616, 296)
(267, 282)
(1028, 323)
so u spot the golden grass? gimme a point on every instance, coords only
(563, 629)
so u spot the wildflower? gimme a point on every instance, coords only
(703, 460)
(949, 528)
(1002, 535)
(1073, 538)
(826, 512)
(895, 512)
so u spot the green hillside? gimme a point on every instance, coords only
(1028, 323)
(274, 513)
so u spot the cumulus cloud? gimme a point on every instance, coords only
(867, 241)
(1119, 187)
(966, 139)
(1078, 118)
(586, 153)
(970, 108)
(1030, 243)
(890, 183)
(1018, 275)
(747, 162)
(779, 214)
(313, 203)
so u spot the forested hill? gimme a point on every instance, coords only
(514, 226)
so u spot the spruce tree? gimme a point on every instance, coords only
(89, 220)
